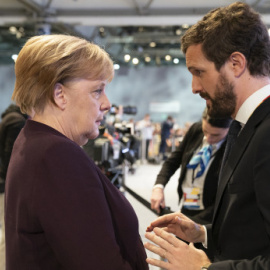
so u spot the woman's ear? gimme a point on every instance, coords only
(59, 96)
(238, 63)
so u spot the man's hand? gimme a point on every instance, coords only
(181, 226)
(157, 199)
(179, 254)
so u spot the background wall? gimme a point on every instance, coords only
(146, 86)
(160, 91)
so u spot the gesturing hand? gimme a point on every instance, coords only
(181, 226)
(179, 255)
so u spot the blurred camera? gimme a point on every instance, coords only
(131, 110)
(110, 157)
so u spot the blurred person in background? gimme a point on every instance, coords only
(166, 131)
(12, 121)
(61, 211)
(146, 129)
(204, 143)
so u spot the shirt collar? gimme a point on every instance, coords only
(215, 146)
(251, 103)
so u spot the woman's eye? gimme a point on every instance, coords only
(97, 92)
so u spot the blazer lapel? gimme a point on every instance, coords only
(239, 148)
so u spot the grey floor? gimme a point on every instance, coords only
(142, 182)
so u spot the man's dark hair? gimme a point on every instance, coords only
(235, 28)
(217, 122)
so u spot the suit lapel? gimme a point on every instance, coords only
(239, 148)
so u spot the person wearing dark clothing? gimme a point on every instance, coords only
(61, 211)
(12, 121)
(209, 131)
(165, 133)
(228, 55)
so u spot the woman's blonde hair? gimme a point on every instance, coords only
(50, 59)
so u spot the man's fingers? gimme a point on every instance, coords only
(155, 249)
(161, 244)
(166, 219)
(158, 263)
(169, 238)
(163, 239)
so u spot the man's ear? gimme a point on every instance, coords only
(238, 63)
(59, 96)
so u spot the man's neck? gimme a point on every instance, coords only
(247, 87)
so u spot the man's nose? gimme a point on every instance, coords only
(209, 139)
(196, 86)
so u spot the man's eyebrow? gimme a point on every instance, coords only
(192, 68)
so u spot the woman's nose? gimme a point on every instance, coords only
(105, 105)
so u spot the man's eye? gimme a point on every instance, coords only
(197, 73)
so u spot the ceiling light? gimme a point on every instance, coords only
(135, 61)
(116, 66)
(176, 61)
(178, 31)
(14, 57)
(18, 35)
(101, 31)
(127, 57)
(152, 44)
(185, 26)
(168, 57)
(12, 29)
(147, 59)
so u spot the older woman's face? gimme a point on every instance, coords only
(86, 105)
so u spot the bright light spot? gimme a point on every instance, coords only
(14, 57)
(185, 26)
(135, 61)
(127, 57)
(12, 29)
(176, 61)
(147, 59)
(168, 57)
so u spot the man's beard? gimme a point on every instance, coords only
(224, 101)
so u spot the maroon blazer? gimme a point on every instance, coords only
(62, 212)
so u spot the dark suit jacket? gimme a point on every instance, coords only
(181, 157)
(241, 224)
(62, 212)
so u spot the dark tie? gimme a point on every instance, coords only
(231, 138)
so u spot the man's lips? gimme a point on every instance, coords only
(204, 96)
